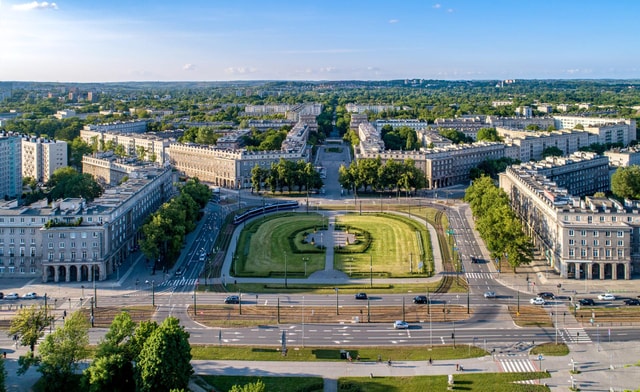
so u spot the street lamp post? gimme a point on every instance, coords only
(305, 260)
(337, 301)
(285, 270)
(370, 270)
(303, 321)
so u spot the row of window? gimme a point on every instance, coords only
(51, 255)
(595, 253)
(13, 241)
(595, 242)
(602, 218)
(21, 262)
(12, 270)
(607, 233)
(61, 245)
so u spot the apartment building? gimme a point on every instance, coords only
(134, 126)
(110, 170)
(10, 165)
(73, 240)
(531, 144)
(624, 156)
(412, 123)
(581, 238)
(607, 130)
(41, 157)
(155, 147)
(360, 108)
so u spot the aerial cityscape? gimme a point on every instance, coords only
(319, 197)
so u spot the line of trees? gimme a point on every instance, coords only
(145, 357)
(294, 176)
(165, 230)
(497, 224)
(370, 174)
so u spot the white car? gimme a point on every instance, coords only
(490, 294)
(537, 301)
(399, 324)
(30, 295)
(11, 296)
(606, 297)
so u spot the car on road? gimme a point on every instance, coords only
(490, 294)
(420, 299)
(399, 324)
(11, 296)
(30, 295)
(587, 302)
(632, 302)
(537, 301)
(361, 296)
(546, 295)
(203, 256)
(1, 295)
(232, 299)
(606, 297)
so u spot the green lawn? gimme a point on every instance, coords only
(484, 382)
(385, 244)
(399, 353)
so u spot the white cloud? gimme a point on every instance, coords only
(393, 21)
(449, 10)
(437, 6)
(240, 70)
(34, 5)
(327, 69)
(189, 67)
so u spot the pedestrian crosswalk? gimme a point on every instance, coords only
(575, 336)
(177, 283)
(516, 365)
(479, 275)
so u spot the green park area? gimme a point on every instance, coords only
(374, 244)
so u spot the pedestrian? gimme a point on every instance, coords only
(457, 367)
(430, 361)
(4, 354)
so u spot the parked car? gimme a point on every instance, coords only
(30, 295)
(606, 297)
(420, 299)
(537, 301)
(587, 302)
(399, 324)
(1, 295)
(546, 295)
(232, 299)
(490, 294)
(361, 296)
(632, 302)
(11, 296)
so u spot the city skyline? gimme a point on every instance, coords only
(79, 41)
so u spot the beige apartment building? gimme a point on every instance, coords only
(580, 237)
(41, 157)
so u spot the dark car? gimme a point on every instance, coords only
(1, 295)
(632, 302)
(587, 302)
(361, 296)
(546, 295)
(420, 299)
(232, 299)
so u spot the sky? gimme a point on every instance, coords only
(220, 40)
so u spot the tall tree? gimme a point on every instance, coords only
(29, 324)
(61, 352)
(625, 182)
(165, 360)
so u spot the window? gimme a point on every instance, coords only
(571, 233)
(583, 233)
(620, 253)
(83, 234)
(589, 219)
(577, 218)
(583, 242)
(50, 235)
(607, 234)
(620, 234)
(620, 243)
(614, 219)
(607, 243)
(596, 253)
(572, 252)
(596, 243)
(61, 245)
(583, 252)
(596, 233)
(50, 245)
(602, 219)
(572, 242)
(61, 235)
(50, 257)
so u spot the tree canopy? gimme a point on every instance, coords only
(625, 182)
(68, 182)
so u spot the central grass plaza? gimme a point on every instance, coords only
(376, 245)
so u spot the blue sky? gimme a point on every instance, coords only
(129, 40)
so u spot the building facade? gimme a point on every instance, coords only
(581, 238)
(10, 165)
(74, 240)
(41, 157)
